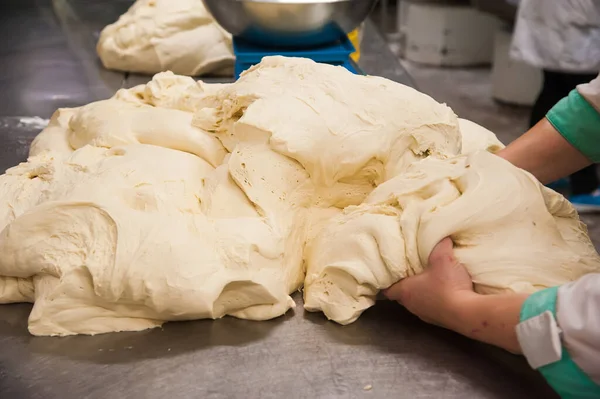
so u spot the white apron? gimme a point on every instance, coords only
(558, 35)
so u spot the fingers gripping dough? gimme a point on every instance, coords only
(511, 233)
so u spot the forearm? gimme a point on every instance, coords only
(545, 153)
(491, 319)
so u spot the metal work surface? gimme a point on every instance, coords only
(48, 61)
(42, 67)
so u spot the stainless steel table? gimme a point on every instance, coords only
(48, 61)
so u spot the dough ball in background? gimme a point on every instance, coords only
(160, 35)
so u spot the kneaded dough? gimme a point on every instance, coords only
(511, 233)
(179, 200)
(166, 35)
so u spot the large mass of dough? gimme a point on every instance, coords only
(166, 35)
(179, 200)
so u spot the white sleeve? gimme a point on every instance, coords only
(578, 316)
(559, 334)
(591, 92)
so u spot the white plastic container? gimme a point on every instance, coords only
(446, 34)
(513, 82)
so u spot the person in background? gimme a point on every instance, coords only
(563, 39)
(558, 328)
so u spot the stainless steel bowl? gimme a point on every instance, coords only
(290, 23)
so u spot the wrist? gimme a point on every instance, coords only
(491, 318)
(462, 310)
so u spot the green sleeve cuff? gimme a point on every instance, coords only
(564, 376)
(539, 302)
(579, 123)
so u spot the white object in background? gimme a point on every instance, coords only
(34, 122)
(401, 25)
(453, 35)
(513, 82)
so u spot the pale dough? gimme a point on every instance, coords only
(166, 35)
(475, 138)
(179, 200)
(512, 234)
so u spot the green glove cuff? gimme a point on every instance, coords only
(579, 123)
(564, 376)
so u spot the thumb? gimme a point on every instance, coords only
(401, 291)
(443, 252)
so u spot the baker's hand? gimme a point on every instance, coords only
(435, 295)
(443, 295)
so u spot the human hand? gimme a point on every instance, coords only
(436, 295)
(443, 295)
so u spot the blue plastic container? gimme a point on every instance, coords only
(248, 54)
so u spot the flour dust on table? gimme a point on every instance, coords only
(180, 200)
